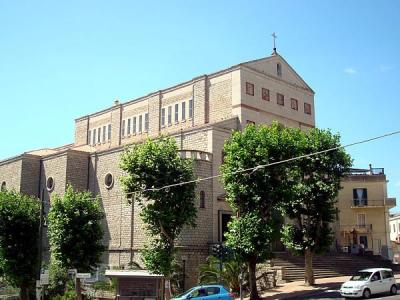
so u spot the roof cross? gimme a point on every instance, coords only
(275, 37)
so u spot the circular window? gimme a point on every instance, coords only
(109, 181)
(50, 184)
(3, 186)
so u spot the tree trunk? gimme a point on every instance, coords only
(308, 264)
(23, 293)
(252, 279)
(78, 289)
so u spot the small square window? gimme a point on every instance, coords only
(249, 89)
(265, 94)
(307, 108)
(280, 99)
(294, 104)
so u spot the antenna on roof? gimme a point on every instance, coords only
(274, 37)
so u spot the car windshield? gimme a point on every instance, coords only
(361, 276)
(184, 293)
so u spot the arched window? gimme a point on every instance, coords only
(50, 184)
(3, 186)
(279, 69)
(109, 181)
(202, 199)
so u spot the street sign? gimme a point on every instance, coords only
(83, 275)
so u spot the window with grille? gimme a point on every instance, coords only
(249, 89)
(294, 104)
(265, 94)
(280, 99)
(307, 108)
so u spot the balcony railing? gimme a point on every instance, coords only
(357, 227)
(391, 202)
(371, 171)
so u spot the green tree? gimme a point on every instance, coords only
(313, 208)
(229, 275)
(153, 164)
(255, 195)
(75, 231)
(19, 235)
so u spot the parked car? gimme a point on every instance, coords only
(206, 292)
(369, 282)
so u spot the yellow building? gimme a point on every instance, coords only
(363, 213)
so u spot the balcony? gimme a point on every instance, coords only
(391, 202)
(366, 203)
(363, 228)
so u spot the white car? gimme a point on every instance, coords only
(369, 282)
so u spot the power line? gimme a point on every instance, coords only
(256, 168)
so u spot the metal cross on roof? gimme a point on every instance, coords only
(274, 36)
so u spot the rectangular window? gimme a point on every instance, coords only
(190, 108)
(169, 115)
(294, 104)
(104, 133)
(280, 99)
(249, 89)
(99, 135)
(265, 94)
(128, 129)
(89, 136)
(134, 125)
(94, 136)
(140, 123)
(123, 128)
(360, 197)
(394, 228)
(109, 132)
(146, 122)
(183, 110)
(307, 108)
(162, 117)
(176, 113)
(361, 220)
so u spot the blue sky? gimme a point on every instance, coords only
(62, 60)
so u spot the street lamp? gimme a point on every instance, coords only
(184, 259)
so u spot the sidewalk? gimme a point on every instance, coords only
(295, 289)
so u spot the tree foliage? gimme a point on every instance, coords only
(19, 235)
(75, 230)
(210, 272)
(153, 164)
(256, 194)
(313, 207)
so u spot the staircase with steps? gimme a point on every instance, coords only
(329, 265)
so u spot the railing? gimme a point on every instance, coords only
(390, 202)
(196, 154)
(372, 171)
(357, 227)
(373, 203)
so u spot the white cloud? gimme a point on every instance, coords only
(350, 71)
(385, 68)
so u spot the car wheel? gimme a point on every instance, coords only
(393, 290)
(367, 294)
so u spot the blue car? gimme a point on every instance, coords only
(206, 292)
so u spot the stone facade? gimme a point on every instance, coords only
(201, 114)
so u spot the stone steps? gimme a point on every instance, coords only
(329, 265)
